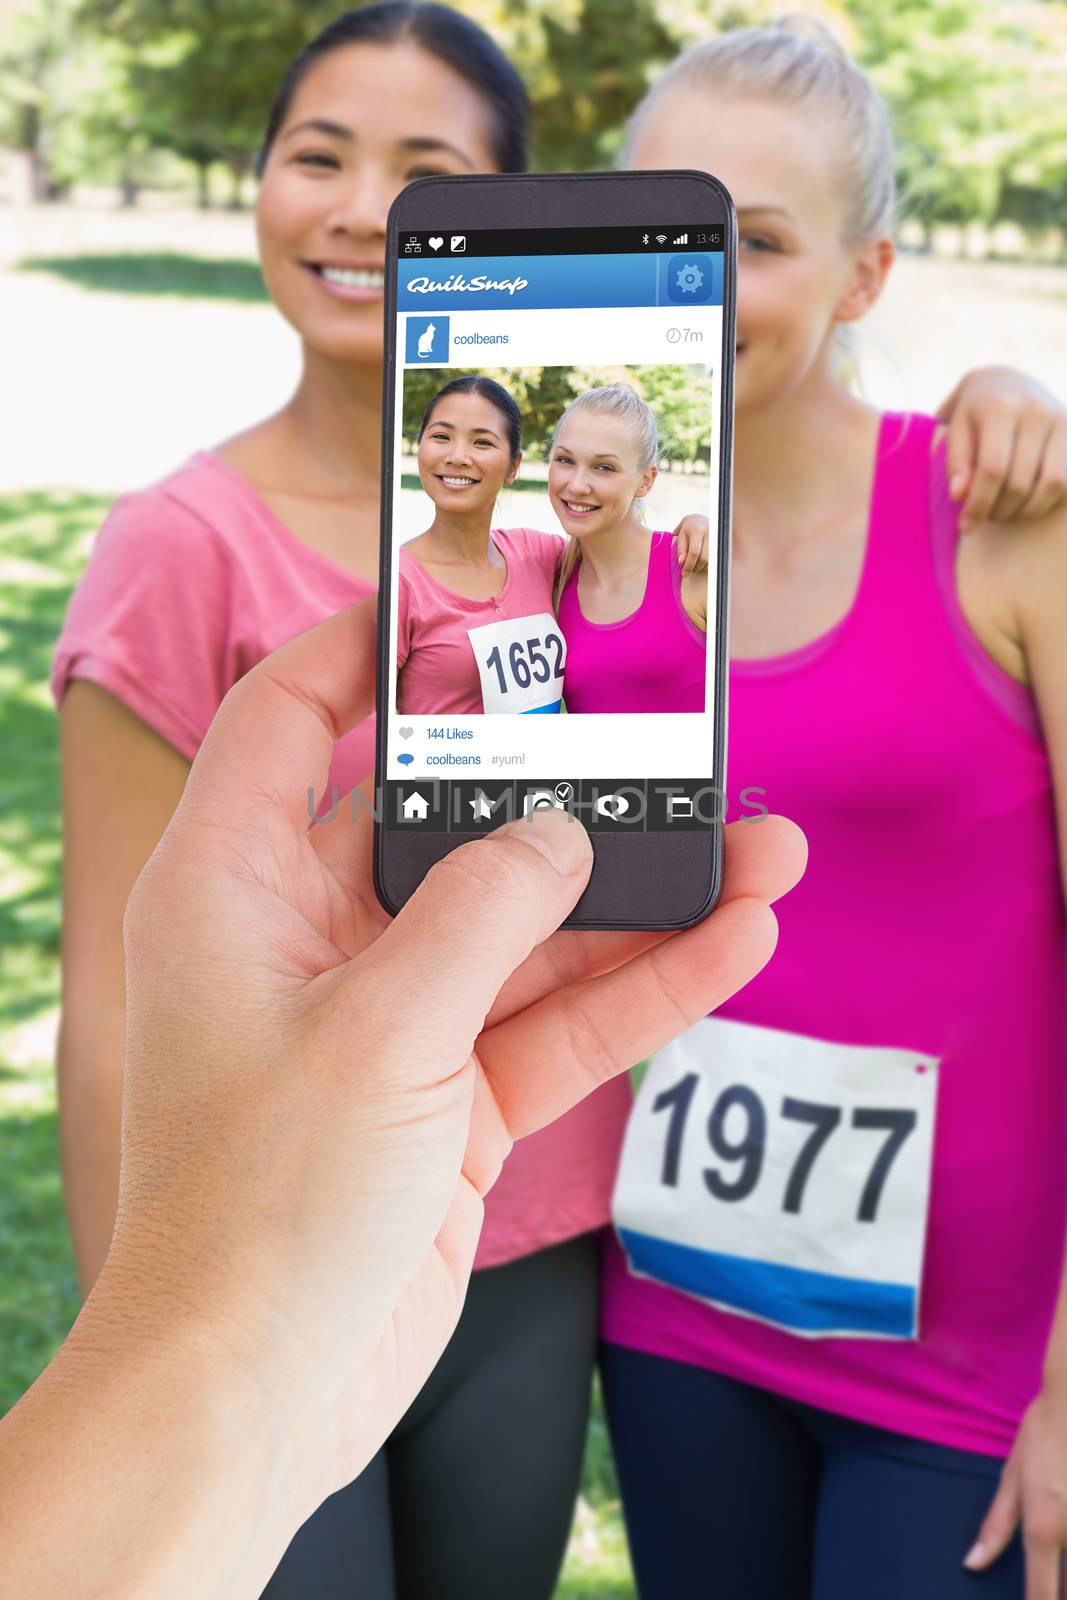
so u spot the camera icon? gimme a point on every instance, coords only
(546, 797)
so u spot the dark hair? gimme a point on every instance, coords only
(490, 390)
(441, 32)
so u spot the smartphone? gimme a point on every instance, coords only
(558, 387)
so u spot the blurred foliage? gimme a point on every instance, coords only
(678, 396)
(98, 89)
(979, 100)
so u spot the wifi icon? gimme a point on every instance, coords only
(661, 238)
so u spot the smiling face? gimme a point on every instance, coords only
(464, 454)
(595, 474)
(796, 275)
(365, 121)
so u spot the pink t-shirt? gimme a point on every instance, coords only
(189, 584)
(437, 671)
(931, 918)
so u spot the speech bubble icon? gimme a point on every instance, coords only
(405, 760)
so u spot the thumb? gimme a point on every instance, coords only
(475, 918)
(1000, 1523)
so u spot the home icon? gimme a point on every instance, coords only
(415, 807)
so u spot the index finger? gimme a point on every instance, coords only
(996, 446)
(584, 1033)
(762, 861)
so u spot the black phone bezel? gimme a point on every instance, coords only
(655, 870)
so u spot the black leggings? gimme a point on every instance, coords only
(474, 1493)
(732, 1493)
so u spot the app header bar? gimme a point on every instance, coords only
(523, 283)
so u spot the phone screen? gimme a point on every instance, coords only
(557, 416)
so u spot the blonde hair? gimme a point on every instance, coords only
(798, 61)
(612, 400)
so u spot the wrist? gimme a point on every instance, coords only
(136, 1465)
(207, 1425)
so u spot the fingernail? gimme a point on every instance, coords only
(975, 1555)
(557, 834)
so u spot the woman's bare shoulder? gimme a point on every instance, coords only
(1011, 582)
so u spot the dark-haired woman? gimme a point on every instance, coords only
(190, 583)
(467, 590)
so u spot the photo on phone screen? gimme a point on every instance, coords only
(555, 529)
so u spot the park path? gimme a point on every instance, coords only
(106, 391)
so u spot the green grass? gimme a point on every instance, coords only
(44, 539)
(163, 272)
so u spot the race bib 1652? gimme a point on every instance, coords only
(520, 663)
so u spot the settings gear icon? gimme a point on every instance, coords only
(689, 278)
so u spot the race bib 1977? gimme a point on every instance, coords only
(782, 1177)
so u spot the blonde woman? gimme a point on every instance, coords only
(856, 1347)
(635, 625)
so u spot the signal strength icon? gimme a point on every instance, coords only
(683, 238)
(661, 238)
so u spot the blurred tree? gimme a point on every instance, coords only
(976, 86)
(34, 85)
(679, 396)
(588, 63)
(1033, 149)
(203, 72)
(674, 395)
(957, 77)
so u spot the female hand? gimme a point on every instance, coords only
(691, 544)
(1033, 1489)
(1007, 447)
(318, 1098)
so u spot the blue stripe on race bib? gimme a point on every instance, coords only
(537, 711)
(810, 1302)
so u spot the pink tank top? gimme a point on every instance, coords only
(652, 660)
(931, 918)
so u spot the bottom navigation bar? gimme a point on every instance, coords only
(618, 805)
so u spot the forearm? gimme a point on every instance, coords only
(89, 1080)
(139, 1466)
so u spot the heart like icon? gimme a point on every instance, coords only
(405, 733)
(436, 242)
(405, 760)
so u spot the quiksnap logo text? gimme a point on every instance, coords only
(456, 283)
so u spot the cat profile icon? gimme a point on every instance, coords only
(426, 339)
